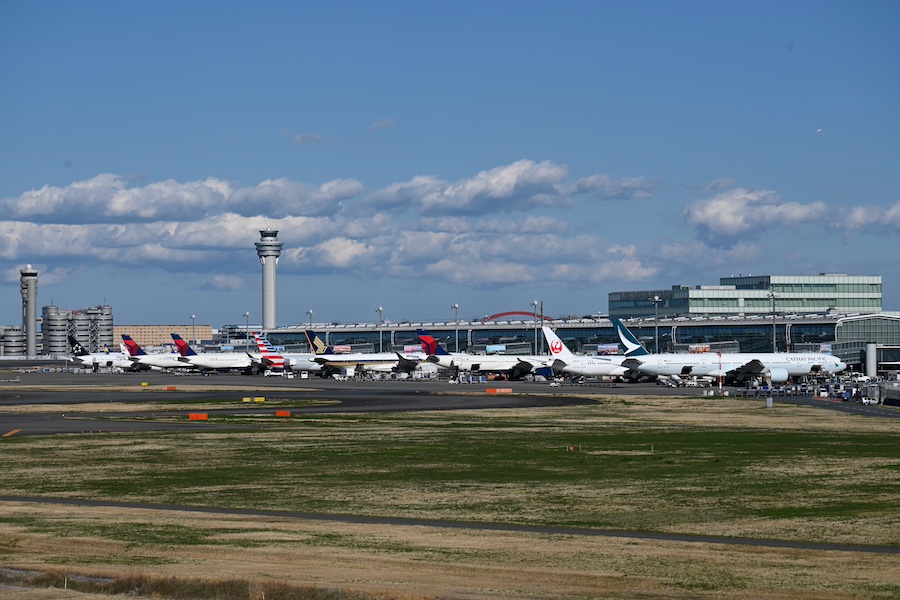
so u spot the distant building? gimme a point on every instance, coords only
(161, 335)
(752, 295)
(92, 327)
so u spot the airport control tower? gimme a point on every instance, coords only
(28, 280)
(268, 248)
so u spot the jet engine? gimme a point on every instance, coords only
(776, 375)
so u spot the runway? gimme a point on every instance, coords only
(26, 404)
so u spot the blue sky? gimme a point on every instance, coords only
(414, 155)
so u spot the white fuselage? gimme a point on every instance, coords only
(219, 360)
(591, 366)
(485, 362)
(365, 361)
(714, 364)
(294, 362)
(105, 359)
(166, 360)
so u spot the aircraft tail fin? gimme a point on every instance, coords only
(132, 346)
(558, 348)
(316, 343)
(77, 348)
(184, 349)
(270, 357)
(430, 345)
(633, 347)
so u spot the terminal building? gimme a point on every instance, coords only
(828, 312)
(745, 296)
(869, 343)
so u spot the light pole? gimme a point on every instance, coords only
(656, 300)
(247, 328)
(380, 311)
(535, 304)
(193, 332)
(455, 307)
(310, 313)
(771, 295)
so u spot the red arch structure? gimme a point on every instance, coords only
(512, 313)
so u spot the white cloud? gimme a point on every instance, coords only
(309, 138)
(605, 187)
(723, 219)
(385, 123)
(876, 218)
(518, 223)
(226, 283)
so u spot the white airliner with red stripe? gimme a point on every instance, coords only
(268, 358)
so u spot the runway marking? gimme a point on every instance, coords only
(11, 433)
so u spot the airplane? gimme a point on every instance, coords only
(514, 367)
(364, 361)
(163, 360)
(774, 367)
(212, 361)
(270, 360)
(99, 359)
(565, 361)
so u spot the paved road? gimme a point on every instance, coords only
(46, 389)
(547, 529)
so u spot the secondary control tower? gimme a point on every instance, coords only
(268, 248)
(28, 280)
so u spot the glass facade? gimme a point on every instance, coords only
(751, 334)
(744, 296)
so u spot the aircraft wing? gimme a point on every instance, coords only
(558, 365)
(754, 368)
(632, 363)
(406, 364)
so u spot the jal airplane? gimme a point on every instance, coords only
(515, 367)
(777, 367)
(365, 361)
(563, 360)
(211, 361)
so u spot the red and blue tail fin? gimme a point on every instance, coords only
(132, 346)
(430, 345)
(184, 348)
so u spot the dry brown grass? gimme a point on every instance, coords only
(421, 561)
(417, 562)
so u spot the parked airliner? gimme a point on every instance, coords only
(99, 359)
(563, 360)
(775, 367)
(364, 361)
(269, 359)
(212, 361)
(512, 366)
(162, 360)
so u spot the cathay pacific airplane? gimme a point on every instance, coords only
(776, 367)
(563, 360)
(513, 366)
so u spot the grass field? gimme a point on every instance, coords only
(701, 466)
